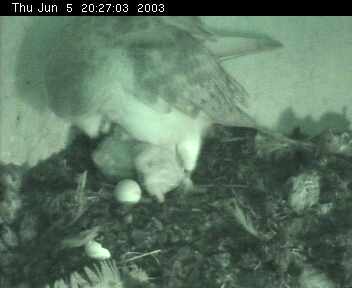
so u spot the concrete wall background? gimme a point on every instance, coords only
(308, 82)
(25, 134)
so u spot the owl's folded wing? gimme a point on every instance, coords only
(189, 77)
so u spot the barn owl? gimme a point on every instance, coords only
(159, 78)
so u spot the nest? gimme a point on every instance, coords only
(264, 212)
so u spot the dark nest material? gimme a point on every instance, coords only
(264, 213)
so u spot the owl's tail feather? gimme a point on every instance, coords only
(227, 45)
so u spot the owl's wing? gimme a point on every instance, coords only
(169, 60)
(184, 73)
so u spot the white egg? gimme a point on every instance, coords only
(94, 250)
(128, 192)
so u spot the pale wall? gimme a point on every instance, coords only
(311, 74)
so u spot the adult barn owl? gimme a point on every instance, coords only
(159, 78)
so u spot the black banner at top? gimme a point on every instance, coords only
(124, 7)
(158, 7)
(83, 7)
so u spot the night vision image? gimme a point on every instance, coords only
(175, 152)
